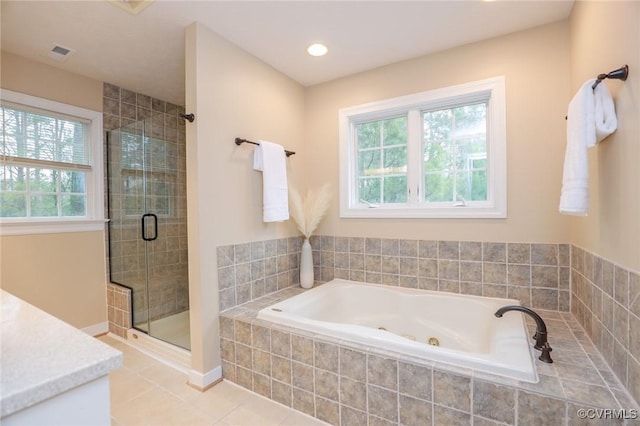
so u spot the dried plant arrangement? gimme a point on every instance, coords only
(309, 211)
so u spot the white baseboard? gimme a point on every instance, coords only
(97, 329)
(203, 381)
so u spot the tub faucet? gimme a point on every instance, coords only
(541, 330)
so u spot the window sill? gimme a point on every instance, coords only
(51, 227)
(424, 213)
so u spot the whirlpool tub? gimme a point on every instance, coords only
(451, 328)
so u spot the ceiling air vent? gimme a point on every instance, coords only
(132, 6)
(59, 53)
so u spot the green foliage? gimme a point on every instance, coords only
(50, 191)
(382, 160)
(454, 150)
(455, 153)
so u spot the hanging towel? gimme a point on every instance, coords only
(591, 118)
(269, 158)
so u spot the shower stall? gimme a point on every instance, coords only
(147, 205)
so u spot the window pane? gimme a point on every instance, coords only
(37, 136)
(437, 125)
(74, 205)
(468, 152)
(13, 204)
(369, 190)
(437, 157)
(470, 120)
(44, 205)
(463, 186)
(73, 182)
(394, 131)
(369, 162)
(43, 180)
(455, 153)
(395, 160)
(395, 189)
(45, 189)
(369, 134)
(13, 178)
(438, 187)
(382, 152)
(479, 186)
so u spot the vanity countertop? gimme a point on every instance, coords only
(42, 356)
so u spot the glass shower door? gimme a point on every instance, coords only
(147, 212)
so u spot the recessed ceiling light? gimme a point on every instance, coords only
(317, 49)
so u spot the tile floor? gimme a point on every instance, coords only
(147, 392)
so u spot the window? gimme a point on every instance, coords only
(50, 166)
(439, 154)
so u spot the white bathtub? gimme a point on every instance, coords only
(404, 320)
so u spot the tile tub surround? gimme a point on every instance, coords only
(349, 384)
(251, 270)
(606, 302)
(538, 275)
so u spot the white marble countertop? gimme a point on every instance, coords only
(42, 356)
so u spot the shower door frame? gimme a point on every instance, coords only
(138, 128)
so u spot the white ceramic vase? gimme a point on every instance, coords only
(306, 265)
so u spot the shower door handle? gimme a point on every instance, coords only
(144, 227)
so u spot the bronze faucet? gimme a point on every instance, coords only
(541, 330)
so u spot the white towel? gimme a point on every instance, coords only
(591, 118)
(270, 159)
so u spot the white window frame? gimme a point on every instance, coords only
(94, 220)
(492, 89)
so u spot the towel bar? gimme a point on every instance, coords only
(188, 117)
(620, 74)
(240, 141)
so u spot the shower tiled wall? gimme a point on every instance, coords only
(251, 270)
(119, 309)
(606, 302)
(166, 258)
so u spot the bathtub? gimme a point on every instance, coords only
(450, 328)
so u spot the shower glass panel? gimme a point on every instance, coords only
(148, 226)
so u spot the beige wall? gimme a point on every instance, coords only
(45, 81)
(535, 64)
(63, 274)
(232, 94)
(604, 36)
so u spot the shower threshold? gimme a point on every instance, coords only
(168, 335)
(173, 329)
